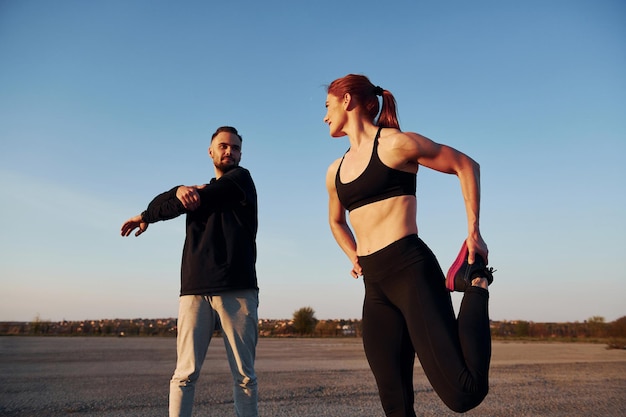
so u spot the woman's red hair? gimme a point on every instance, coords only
(365, 94)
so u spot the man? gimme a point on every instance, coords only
(218, 273)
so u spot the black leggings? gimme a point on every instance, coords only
(408, 310)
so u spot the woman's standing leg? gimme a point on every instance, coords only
(389, 352)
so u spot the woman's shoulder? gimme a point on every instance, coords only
(397, 147)
(393, 134)
(331, 172)
(334, 166)
(395, 139)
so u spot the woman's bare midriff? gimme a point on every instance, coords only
(379, 224)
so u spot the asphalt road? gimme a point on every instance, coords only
(106, 377)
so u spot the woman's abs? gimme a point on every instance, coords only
(379, 224)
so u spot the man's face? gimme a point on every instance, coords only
(225, 151)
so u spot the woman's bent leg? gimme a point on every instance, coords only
(475, 335)
(455, 355)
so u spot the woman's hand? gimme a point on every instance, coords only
(356, 269)
(476, 245)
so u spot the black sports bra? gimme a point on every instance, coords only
(378, 182)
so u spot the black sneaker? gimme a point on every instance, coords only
(461, 273)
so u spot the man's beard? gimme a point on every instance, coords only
(227, 166)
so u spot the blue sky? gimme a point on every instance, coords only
(103, 105)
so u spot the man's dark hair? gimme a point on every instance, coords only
(228, 129)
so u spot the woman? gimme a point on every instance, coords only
(407, 307)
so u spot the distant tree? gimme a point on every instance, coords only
(597, 326)
(522, 329)
(327, 328)
(537, 330)
(618, 327)
(35, 325)
(39, 326)
(304, 321)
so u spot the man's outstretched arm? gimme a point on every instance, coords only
(165, 206)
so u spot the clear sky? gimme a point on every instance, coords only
(104, 105)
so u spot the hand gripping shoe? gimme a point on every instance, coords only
(461, 273)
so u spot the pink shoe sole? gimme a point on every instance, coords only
(456, 265)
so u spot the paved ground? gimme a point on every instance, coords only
(106, 377)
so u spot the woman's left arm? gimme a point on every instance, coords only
(446, 159)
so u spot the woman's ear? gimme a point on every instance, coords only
(347, 99)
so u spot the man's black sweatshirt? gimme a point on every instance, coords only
(220, 243)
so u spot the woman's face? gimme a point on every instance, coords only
(335, 116)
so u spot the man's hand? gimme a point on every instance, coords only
(132, 224)
(189, 196)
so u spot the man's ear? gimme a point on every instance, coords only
(210, 151)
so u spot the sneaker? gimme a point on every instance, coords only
(461, 273)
